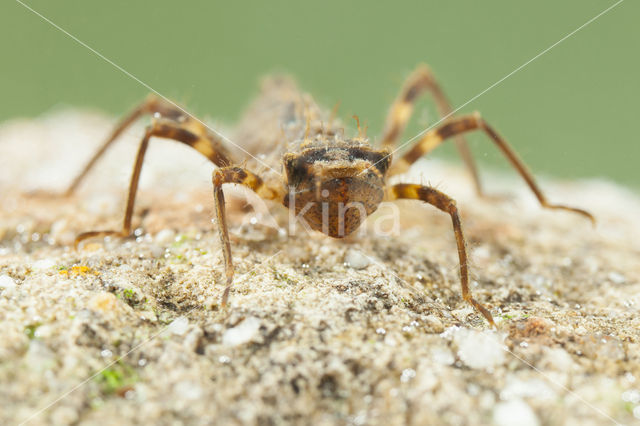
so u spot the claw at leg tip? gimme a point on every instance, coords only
(586, 214)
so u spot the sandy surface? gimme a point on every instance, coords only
(371, 330)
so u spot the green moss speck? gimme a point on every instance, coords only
(116, 377)
(30, 330)
(281, 276)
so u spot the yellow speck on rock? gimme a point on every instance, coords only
(78, 270)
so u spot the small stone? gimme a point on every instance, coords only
(156, 250)
(356, 259)
(43, 332)
(43, 264)
(580, 331)
(148, 316)
(7, 283)
(632, 396)
(179, 326)
(616, 278)
(482, 350)
(390, 340)
(514, 412)
(242, 333)
(166, 236)
(433, 324)
(407, 375)
(636, 412)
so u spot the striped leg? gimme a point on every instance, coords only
(421, 80)
(158, 108)
(447, 205)
(163, 129)
(244, 177)
(467, 123)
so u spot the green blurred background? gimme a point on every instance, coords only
(570, 113)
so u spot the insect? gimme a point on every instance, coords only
(295, 153)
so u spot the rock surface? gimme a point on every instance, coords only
(369, 330)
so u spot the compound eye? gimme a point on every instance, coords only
(371, 174)
(294, 169)
(383, 164)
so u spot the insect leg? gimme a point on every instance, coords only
(244, 177)
(467, 123)
(447, 205)
(421, 80)
(153, 106)
(162, 129)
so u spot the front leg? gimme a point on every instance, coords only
(244, 177)
(162, 129)
(159, 109)
(447, 205)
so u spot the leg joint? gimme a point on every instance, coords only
(229, 175)
(452, 206)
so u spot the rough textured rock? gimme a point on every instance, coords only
(370, 330)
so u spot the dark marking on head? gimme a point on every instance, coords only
(297, 166)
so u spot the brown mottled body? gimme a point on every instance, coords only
(335, 189)
(330, 181)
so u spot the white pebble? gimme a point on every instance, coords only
(557, 359)
(165, 236)
(7, 283)
(241, 333)
(632, 396)
(580, 331)
(616, 278)
(482, 350)
(156, 251)
(514, 413)
(43, 264)
(356, 259)
(407, 375)
(179, 326)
